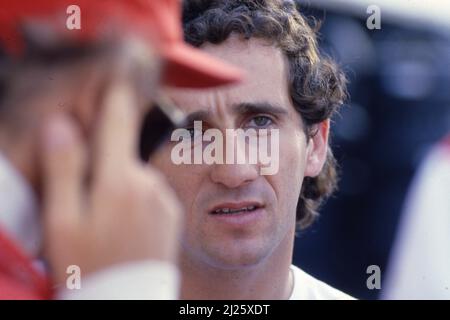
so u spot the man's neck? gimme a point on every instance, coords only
(269, 279)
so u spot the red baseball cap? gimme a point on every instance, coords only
(156, 21)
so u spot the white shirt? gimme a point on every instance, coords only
(306, 287)
(419, 266)
(153, 280)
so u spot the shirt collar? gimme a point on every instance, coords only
(18, 209)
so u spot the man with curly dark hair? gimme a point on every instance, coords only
(240, 225)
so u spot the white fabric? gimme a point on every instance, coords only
(420, 261)
(149, 280)
(144, 280)
(306, 287)
(18, 209)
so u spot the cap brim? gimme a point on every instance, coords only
(189, 67)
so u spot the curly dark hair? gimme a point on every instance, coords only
(316, 84)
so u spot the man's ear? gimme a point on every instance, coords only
(316, 150)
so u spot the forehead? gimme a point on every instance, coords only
(266, 77)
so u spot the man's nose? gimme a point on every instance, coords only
(233, 175)
(240, 165)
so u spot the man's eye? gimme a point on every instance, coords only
(260, 121)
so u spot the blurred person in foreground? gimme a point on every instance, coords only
(72, 189)
(419, 265)
(240, 225)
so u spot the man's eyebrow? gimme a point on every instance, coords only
(200, 115)
(240, 108)
(259, 107)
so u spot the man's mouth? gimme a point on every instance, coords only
(230, 209)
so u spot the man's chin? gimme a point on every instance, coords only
(236, 257)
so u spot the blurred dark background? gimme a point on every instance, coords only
(399, 105)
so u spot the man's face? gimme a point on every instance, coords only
(245, 238)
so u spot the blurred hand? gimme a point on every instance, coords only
(112, 208)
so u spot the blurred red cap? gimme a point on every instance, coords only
(156, 21)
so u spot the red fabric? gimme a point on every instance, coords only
(445, 144)
(446, 141)
(156, 21)
(96, 16)
(19, 280)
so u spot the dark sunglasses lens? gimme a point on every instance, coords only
(156, 129)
